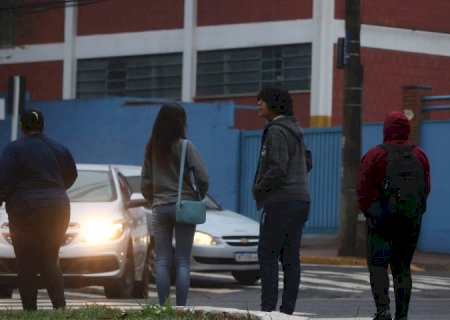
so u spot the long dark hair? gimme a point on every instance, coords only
(169, 127)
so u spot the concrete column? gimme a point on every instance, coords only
(412, 96)
(189, 51)
(70, 67)
(322, 64)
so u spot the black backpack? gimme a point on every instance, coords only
(404, 182)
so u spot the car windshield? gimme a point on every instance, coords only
(92, 186)
(134, 183)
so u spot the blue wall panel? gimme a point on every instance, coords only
(106, 131)
(435, 235)
(324, 179)
(250, 149)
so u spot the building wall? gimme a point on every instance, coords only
(41, 27)
(221, 12)
(429, 15)
(385, 72)
(43, 79)
(118, 28)
(119, 16)
(247, 118)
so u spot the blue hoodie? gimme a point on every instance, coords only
(35, 172)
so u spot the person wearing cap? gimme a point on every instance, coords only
(281, 190)
(35, 172)
(392, 234)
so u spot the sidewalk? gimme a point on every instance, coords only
(320, 249)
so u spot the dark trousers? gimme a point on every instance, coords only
(281, 229)
(392, 241)
(37, 237)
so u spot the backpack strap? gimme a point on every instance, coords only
(389, 147)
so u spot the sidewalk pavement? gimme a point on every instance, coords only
(323, 249)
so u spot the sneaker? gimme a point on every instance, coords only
(383, 315)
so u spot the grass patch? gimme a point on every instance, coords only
(101, 312)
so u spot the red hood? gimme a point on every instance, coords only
(396, 127)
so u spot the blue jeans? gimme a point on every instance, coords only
(281, 228)
(164, 224)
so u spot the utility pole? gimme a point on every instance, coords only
(351, 128)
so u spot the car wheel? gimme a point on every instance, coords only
(5, 292)
(140, 290)
(122, 288)
(246, 277)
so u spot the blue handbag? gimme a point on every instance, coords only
(188, 211)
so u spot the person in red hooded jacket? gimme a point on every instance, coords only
(392, 238)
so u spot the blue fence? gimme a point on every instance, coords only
(324, 179)
(115, 130)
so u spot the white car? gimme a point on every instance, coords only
(227, 241)
(107, 242)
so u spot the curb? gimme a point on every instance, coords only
(236, 314)
(345, 261)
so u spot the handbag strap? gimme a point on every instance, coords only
(180, 178)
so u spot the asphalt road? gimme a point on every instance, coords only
(326, 292)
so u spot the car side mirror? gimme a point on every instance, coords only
(136, 200)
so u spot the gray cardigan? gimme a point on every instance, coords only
(160, 186)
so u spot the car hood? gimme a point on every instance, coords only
(228, 223)
(84, 211)
(88, 211)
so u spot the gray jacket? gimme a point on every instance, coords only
(160, 186)
(282, 171)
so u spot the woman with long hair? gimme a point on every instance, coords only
(159, 186)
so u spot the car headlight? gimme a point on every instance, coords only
(204, 239)
(100, 231)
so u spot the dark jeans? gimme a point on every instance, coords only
(393, 242)
(37, 237)
(164, 224)
(281, 229)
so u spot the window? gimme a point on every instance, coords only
(242, 71)
(92, 186)
(156, 76)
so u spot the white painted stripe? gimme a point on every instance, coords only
(212, 275)
(305, 286)
(343, 276)
(132, 43)
(228, 37)
(69, 66)
(32, 53)
(338, 284)
(247, 35)
(398, 39)
(322, 59)
(215, 290)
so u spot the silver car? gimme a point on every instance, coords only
(107, 242)
(227, 241)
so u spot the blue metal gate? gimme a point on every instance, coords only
(324, 179)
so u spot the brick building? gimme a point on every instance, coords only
(203, 50)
